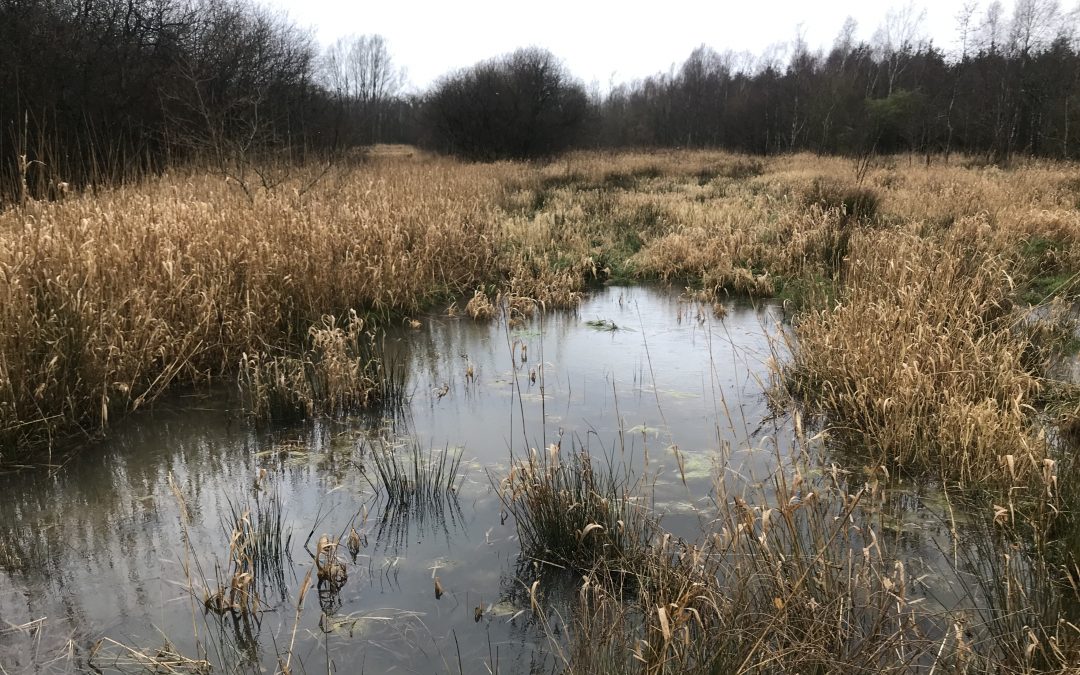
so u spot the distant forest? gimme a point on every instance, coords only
(98, 91)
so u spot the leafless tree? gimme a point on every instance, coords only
(98, 91)
(1034, 25)
(992, 28)
(360, 71)
(898, 37)
(964, 18)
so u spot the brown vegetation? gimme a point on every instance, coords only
(800, 574)
(914, 340)
(913, 344)
(106, 301)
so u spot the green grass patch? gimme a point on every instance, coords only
(807, 291)
(1045, 286)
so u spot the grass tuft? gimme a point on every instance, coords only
(407, 476)
(341, 371)
(575, 516)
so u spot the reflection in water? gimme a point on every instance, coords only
(97, 548)
(434, 521)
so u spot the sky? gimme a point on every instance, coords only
(601, 42)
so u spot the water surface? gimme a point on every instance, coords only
(98, 548)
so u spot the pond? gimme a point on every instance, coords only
(123, 540)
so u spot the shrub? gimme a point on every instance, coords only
(519, 106)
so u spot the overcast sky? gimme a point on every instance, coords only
(600, 41)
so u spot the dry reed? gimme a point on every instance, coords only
(920, 364)
(108, 300)
(915, 344)
(796, 575)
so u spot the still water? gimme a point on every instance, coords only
(100, 548)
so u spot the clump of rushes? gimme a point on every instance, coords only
(480, 306)
(258, 554)
(540, 281)
(921, 364)
(259, 539)
(573, 515)
(410, 476)
(341, 371)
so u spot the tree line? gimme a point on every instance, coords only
(1013, 88)
(101, 91)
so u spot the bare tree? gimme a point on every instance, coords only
(361, 73)
(845, 39)
(991, 30)
(963, 29)
(1034, 25)
(897, 39)
(231, 101)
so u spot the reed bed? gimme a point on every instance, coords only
(914, 334)
(921, 364)
(929, 304)
(111, 299)
(108, 300)
(796, 575)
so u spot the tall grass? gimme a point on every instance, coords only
(796, 575)
(914, 346)
(921, 364)
(107, 301)
(342, 369)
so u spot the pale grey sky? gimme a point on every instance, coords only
(600, 41)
